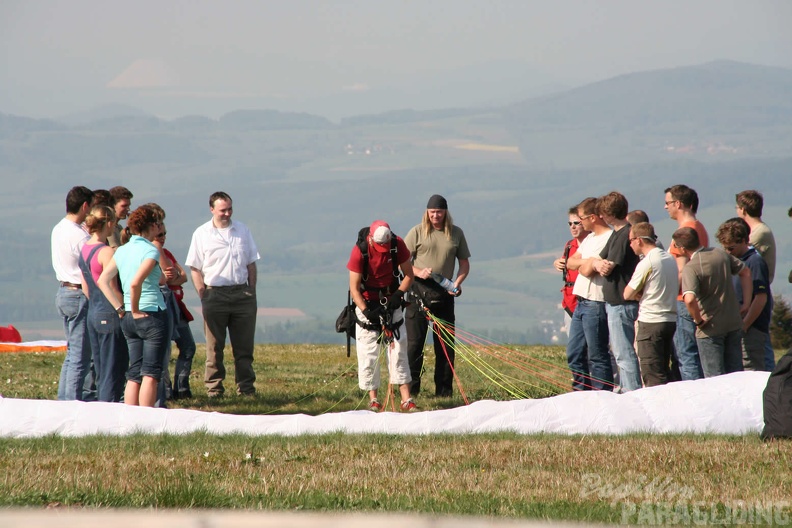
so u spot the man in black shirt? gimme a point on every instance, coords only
(617, 264)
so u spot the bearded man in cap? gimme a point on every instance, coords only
(436, 245)
(378, 296)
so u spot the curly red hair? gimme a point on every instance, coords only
(142, 219)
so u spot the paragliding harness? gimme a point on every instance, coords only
(347, 320)
(565, 273)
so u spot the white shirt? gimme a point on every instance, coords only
(68, 239)
(591, 288)
(222, 255)
(657, 276)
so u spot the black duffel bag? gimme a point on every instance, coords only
(429, 292)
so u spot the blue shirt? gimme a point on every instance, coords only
(129, 258)
(761, 284)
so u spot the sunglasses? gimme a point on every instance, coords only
(574, 223)
(162, 235)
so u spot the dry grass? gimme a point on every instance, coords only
(503, 475)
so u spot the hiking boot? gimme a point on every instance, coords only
(409, 406)
(375, 406)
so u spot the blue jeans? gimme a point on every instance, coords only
(621, 326)
(722, 354)
(685, 345)
(111, 355)
(769, 355)
(186, 345)
(73, 307)
(148, 340)
(587, 348)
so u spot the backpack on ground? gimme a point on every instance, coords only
(777, 401)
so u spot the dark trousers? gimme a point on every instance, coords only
(655, 350)
(417, 327)
(231, 308)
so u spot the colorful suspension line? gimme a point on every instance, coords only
(543, 376)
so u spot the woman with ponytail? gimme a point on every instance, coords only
(108, 345)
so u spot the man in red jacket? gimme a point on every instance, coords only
(569, 301)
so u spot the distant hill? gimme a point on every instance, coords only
(272, 120)
(408, 115)
(722, 93)
(108, 111)
(715, 111)
(12, 125)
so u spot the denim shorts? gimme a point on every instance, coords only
(148, 342)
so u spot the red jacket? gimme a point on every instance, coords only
(569, 301)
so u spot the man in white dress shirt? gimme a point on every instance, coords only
(222, 260)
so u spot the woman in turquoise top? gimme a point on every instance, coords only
(145, 328)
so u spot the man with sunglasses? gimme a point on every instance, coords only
(682, 202)
(579, 233)
(654, 284)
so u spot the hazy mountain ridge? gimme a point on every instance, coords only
(305, 185)
(724, 93)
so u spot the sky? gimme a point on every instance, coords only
(347, 57)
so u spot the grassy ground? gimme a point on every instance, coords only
(635, 479)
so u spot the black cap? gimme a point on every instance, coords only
(437, 202)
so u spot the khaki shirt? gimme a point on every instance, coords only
(437, 251)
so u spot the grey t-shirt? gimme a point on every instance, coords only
(708, 275)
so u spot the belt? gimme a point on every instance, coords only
(584, 300)
(226, 287)
(71, 285)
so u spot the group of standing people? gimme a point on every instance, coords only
(394, 283)
(652, 316)
(120, 297)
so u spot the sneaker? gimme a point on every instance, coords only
(409, 406)
(375, 406)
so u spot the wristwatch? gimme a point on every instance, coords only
(120, 311)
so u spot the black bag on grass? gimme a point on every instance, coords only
(777, 401)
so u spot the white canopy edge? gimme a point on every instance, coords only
(729, 404)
